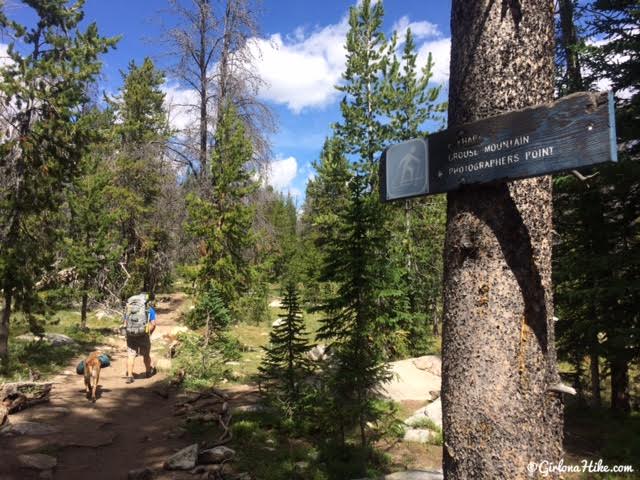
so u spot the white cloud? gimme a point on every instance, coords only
(180, 104)
(420, 30)
(282, 171)
(302, 71)
(4, 56)
(440, 50)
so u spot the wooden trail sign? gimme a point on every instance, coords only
(574, 132)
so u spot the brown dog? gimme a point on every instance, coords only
(92, 367)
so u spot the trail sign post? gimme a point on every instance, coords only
(576, 131)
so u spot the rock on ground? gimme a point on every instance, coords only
(317, 353)
(410, 382)
(184, 459)
(418, 435)
(415, 475)
(55, 339)
(216, 455)
(430, 363)
(433, 412)
(39, 461)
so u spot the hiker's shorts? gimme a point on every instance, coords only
(138, 345)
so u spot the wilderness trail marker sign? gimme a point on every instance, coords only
(575, 131)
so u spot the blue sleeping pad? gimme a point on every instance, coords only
(105, 361)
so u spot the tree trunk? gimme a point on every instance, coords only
(83, 310)
(498, 341)
(577, 381)
(83, 306)
(569, 39)
(4, 330)
(204, 94)
(595, 378)
(620, 386)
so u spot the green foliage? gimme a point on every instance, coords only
(91, 245)
(286, 367)
(209, 312)
(142, 178)
(354, 315)
(221, 219)
(597, 253)
(362, 129)
(43, 86)
(327, 195)
(200, 362)
(409, 100)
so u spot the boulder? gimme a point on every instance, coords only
(55, 339)
(39, 461)
(275, 303)
(278, 322)
(430, 363)
(318, 353)
(415, 475)
(408, 382)
(219, 454)
(418, 435)
(433, 412)
(184, 459)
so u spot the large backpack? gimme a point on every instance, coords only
(136, 315)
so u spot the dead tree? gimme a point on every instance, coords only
(216, 54)
(499, 363)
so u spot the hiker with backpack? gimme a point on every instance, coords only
(139, 324)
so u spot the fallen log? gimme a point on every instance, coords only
(4, 415)
(20, 395)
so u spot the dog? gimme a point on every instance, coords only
(92, 368)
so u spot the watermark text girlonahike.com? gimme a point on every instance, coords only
(545, 468)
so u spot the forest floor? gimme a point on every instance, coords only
(130, 426)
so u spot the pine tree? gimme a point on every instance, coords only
(141, 171)
(418, 225)
(286, 365)
(42, 88)
(596, 261)
(92, 245)
(352, 322)
(223, 219)
(362, 130)
(327, 195)
(211, 313)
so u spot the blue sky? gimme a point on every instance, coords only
(302, 57)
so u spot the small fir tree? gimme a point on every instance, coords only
(286, 364)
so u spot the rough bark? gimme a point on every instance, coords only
(4, 330)
(620, 386)
(594, 367)
(498, 341)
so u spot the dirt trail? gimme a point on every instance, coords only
(130, 426)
